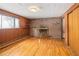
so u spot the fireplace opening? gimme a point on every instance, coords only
(43, 32)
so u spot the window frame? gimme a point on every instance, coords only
(14, 25)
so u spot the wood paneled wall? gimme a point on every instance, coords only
(14, 33)
(72, 28)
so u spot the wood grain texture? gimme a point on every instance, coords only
(37, 47)
(66, 19)
(74, 30)
(11, 34)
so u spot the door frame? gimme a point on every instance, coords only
(76, 5)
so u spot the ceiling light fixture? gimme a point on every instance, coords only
(34, 8)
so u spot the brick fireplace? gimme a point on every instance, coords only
(40, 31)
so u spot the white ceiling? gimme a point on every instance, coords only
(47, 9)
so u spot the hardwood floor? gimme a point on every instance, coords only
(37, 47)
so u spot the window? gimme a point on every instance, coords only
(8, 22)
(16, 23)
(0, 21)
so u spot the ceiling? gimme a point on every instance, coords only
(46, 9)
